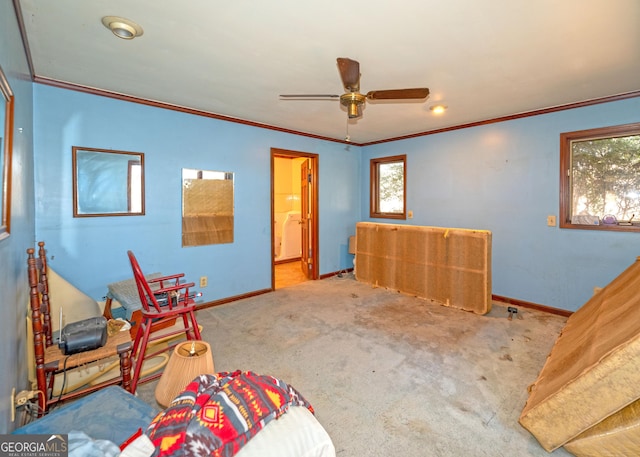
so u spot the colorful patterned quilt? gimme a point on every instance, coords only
(217, 414)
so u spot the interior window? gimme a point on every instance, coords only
(388, 187)
(600, 178)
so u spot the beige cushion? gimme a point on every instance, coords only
(618, 434)
(76, 305)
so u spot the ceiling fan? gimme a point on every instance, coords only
(353, 99)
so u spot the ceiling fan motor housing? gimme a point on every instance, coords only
(352, 101)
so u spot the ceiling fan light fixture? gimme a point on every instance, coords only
(353, 101)
(438, 109)
(122, 28)
(353, 110)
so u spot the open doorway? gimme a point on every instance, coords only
(294, 217)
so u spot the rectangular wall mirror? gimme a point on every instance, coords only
(207, 207)
(107, 182)
(6, 145)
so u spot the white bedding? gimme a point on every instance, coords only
(296, 433)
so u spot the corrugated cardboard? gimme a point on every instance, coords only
(593, 369)
(449, 266)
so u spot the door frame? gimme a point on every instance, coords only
(314, 210)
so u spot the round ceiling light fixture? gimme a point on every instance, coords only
(122, 28)
(438, 109)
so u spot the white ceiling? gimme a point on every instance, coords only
(483, 59)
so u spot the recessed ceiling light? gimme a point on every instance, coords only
(438, 109)
(122, 28)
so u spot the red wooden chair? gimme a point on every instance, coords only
(164, 300)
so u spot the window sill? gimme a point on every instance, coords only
(387, 216)
(602, 227)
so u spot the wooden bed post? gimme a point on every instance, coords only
(36, 323)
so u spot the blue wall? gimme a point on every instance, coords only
(504, 177)
(91, 252)
(501, 177)
(14, 296)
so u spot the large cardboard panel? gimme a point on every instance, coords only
(593, 370)
(447, 265)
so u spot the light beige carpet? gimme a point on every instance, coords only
(388, 374)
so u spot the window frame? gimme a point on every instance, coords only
(565, 173)
(374, 194)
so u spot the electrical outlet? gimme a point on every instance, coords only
(203, 281)
(551, 221)
(24, 396)
(410, 214)
(20, 400)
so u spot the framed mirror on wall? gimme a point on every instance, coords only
(107, 182)
(6, 150)
(207, 207)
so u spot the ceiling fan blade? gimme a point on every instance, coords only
(308, 96)
(350, 73)
(398, 94)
